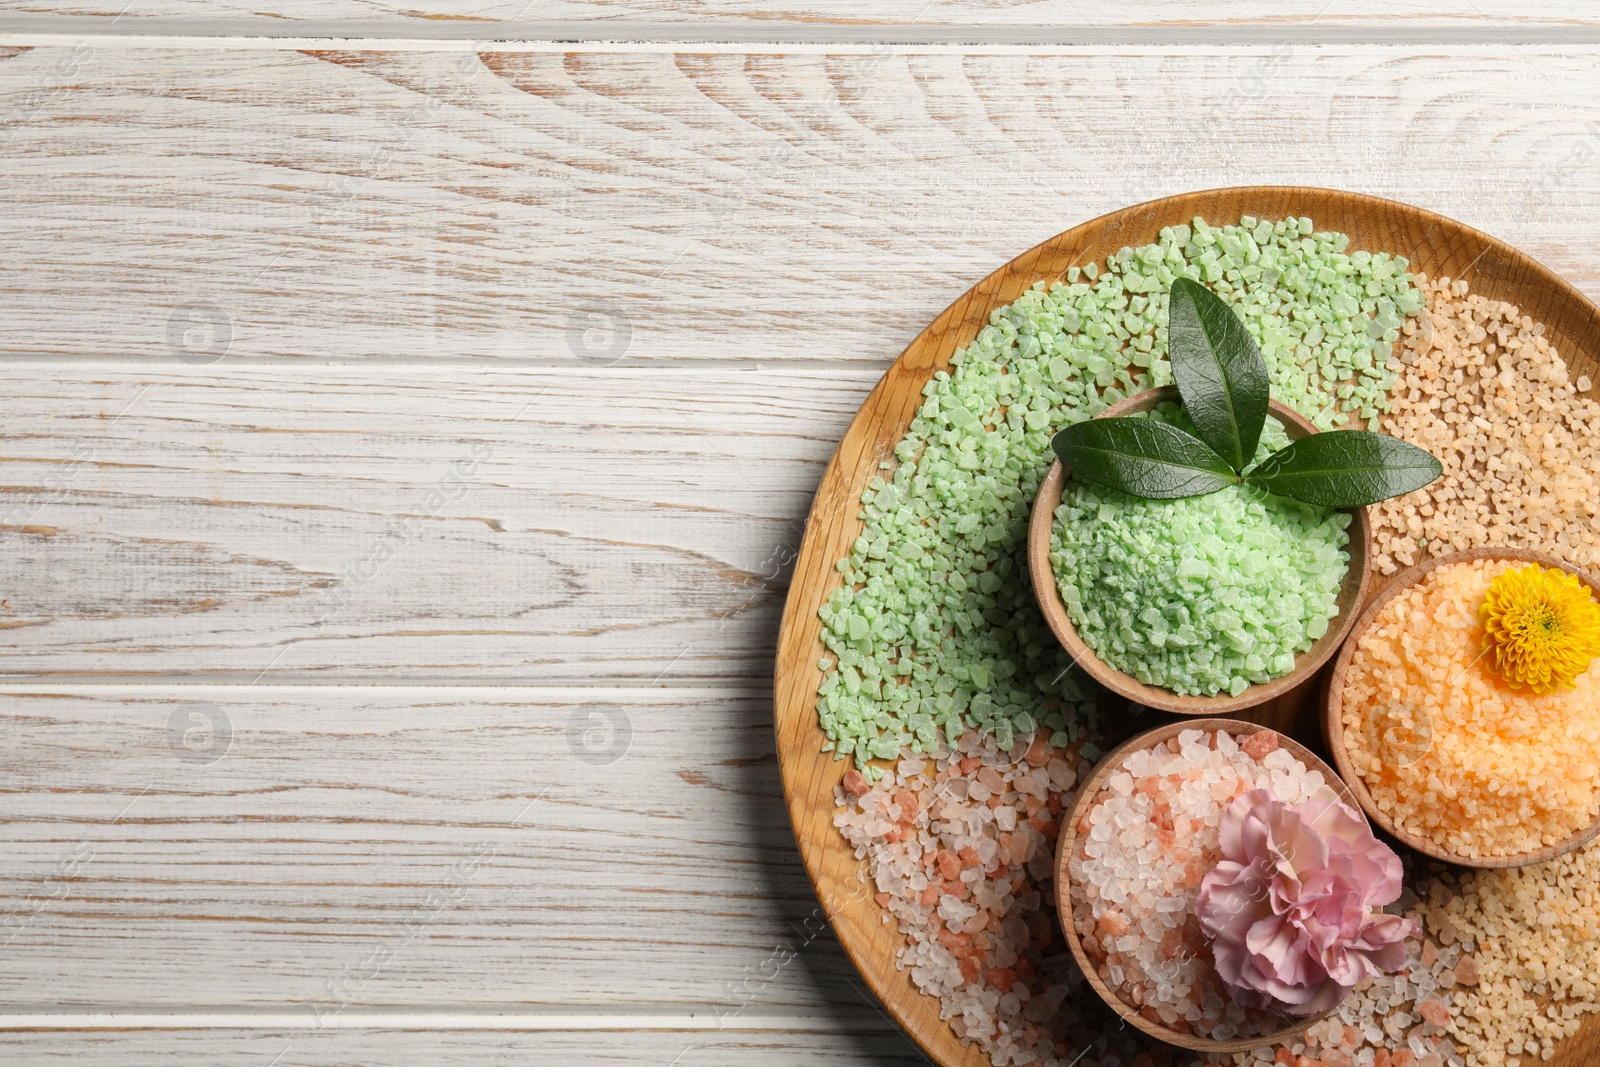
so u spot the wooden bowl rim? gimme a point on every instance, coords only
(1352, 589)
(1333, 725)
(1087, 792)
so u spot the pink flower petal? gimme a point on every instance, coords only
(1290, 907)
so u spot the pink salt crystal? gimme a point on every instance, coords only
(1434, 1011)
(1258, 744)
(1337, 1057)
(1467, 971)
(1431, 1059)
(1430, 953)
(1404, 1058)
(1061, 775)
(854, 783)
(1038, 753)
(1351, 1038)
(907, 803)
(1113, 924)
(1042, 928)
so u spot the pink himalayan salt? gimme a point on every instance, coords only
(1435, 1012)
(960, 847)
(1144, 848)
(1258, 744)
(993, 1025)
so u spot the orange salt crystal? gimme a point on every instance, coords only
(1450, 752)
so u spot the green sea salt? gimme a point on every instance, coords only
(1204, 594)
(934, 628)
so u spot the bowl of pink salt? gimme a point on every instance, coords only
(1220, 889)
(1464, 711)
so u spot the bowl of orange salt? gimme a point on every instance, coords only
(1464, 711)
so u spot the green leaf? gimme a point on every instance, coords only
(1345, 469)
(1219, 370)
(1143, 457)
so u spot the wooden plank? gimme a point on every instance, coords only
(1433, 14)
(318, 850)
(445, 522)
(268, 1047)
(402, 206)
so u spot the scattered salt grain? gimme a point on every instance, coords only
(1481, 388)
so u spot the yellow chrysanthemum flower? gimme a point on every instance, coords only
(1542, 626)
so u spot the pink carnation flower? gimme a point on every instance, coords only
(1291, 907)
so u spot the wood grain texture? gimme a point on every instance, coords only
(403, 206)
(1333, 711)
(1048, 594)
(271, 1046)
(318, 850)
(823, 13)
(1434, 244)
(417, 210)
(444, 523)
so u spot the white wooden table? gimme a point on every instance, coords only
(410, 414)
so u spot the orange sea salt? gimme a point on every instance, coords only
(1447, 750)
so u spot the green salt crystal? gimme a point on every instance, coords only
(1269, 558)
(946, 546)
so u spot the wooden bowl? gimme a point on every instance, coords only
(1306, 664)
(1333, 721)
(1066, 843)
(1433, 243)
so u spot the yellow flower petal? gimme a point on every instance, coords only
(1541, 626)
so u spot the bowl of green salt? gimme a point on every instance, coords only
(1201, 605)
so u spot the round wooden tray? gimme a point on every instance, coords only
(1434, 244)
